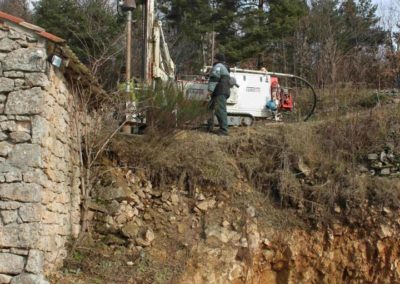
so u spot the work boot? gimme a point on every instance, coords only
(222, 133)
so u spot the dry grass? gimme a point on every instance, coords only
(188, 158)
(268, 156)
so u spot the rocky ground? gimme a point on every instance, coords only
(144, 235)
(300, 203)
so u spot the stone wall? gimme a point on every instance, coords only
(39, 160)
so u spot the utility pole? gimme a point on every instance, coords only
(148, 44)
(128, 6)
(128, 50)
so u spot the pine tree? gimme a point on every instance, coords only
(91, 28)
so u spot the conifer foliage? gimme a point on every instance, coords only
(328, 41)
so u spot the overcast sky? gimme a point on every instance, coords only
(384, 4)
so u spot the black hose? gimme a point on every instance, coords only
(314, 96)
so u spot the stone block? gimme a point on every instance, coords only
(14, 74)
(19, 83)
(30, 212)
(2, 97)
(8, 125)
(26, 155)
(37, 176)
(58, 149)
(19, 251)
(25, 101)
(2, 108)
(55, 175)
(35, 262)
(6, 85)
(49, 217)
(7, 45)
(27, 278)
(3, 136)
(57, 208)
(25, 59)
(63, 198)
(25, 235)
(22, 118)
(55, 163)
(37, 80)
(385, 171)
(50, 104)
(24, 126)
(49, 197)
(3, 34)
(11, 263)
(55, 229)
(9, 216)
(23, 43)
(24, 192)
(31, 38)
(13, 34)
(13, 176)
(20, 136)
(9, 205)
(49, 243)
(5, 279)
(5, 148)
(6, 168)
(48, 143)
(40, 128)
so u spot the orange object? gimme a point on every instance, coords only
(274, 82)
(286, 102)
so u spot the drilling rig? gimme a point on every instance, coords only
(250, 98)
(156, 60)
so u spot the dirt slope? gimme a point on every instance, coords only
(294, 203)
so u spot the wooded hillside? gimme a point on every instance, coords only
(326, 41)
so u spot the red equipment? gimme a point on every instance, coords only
(282, 95)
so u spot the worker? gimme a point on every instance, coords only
(274, 103)
(219, 91)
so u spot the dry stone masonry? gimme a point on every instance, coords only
(383, 163)
(39, 159)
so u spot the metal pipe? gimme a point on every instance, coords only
(128, 50)
(284, 75)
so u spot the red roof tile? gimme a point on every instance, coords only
(38, 30)
(51, 37)
(10, 18)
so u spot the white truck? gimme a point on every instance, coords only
(256, 88)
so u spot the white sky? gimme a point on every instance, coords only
(389, 12)
(384, 5)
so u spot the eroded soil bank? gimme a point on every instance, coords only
(298, 203)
